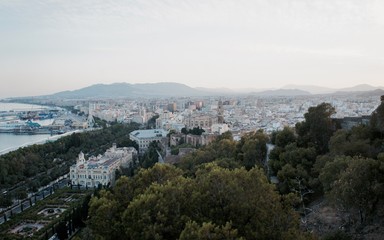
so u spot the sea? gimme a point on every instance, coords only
(10, 142)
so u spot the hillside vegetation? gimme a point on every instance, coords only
(221, 191)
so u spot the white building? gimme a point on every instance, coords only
(144, 137)
(101, 169)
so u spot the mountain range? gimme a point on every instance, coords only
(165, 89)
(171, 89)
(324, 90)
(124, 90)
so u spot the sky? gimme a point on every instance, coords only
(56, 45)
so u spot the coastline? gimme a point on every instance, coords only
(43, 141)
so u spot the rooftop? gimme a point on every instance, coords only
(110, 157)
(149, 133)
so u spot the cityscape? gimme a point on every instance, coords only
(192, 119)
(179, 126)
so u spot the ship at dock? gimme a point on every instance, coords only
(41, 120)
(24, 127)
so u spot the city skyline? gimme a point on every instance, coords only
(53, 46)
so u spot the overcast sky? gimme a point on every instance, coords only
(55, 45)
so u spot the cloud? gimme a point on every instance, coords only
(117, 15)
(151, 40)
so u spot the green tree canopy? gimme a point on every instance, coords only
(285, 137)
(357, 183)
(217, 202)
(208, 231)
(355, 142)
(252, 149)
(317, 127)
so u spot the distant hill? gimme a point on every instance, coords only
(376, 92)
(324, 90)
(310, 88)
(171, 89)
(98, 91)
(282, 92)
(360, 87)
(126, 90)
(216, 90)
(164, 89)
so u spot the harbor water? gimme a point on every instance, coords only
(10, 142)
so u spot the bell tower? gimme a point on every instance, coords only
(220, 112)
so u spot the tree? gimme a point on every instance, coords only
(152, 121)
(160, 212)
(159, 173)
(151, 157)
(184, 131)
(226, 148)
(161, 203)
(351, 143)
(295, 165)
(359, 186)
(252, 149)
(208, 231)
(61, 230)
(244, 198)
(197, 131)
(21, 193)
(317, 127)
(105, 214)
(5, 200)
(107, 208)
(285, 137)
(377, 119)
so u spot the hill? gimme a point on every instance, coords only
(324, 90)
(360, 87)
(310, 88)
(282, 92)
(376, 92)
(126, 90)
(172, 89)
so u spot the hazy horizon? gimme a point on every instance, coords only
(52, 46)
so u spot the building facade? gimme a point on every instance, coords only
(144, 137)
(200, 140)
(101, 169)
(204, 121)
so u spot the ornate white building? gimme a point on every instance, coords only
(101, 169)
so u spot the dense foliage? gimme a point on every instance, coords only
(221, 191)
(249, 152)
(218, 203)
(193, 131)
(218, 192)
(346, 165)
